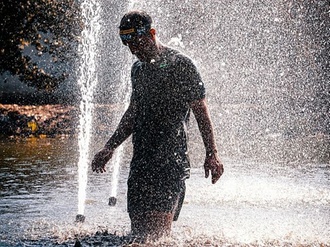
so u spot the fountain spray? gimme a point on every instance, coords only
(87, 80)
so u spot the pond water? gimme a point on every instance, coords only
(254, 203)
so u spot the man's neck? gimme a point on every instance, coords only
(159, 49)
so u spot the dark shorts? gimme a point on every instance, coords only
(161, 191)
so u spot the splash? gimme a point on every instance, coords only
(120, 151)
(123, 92)
(87, 81)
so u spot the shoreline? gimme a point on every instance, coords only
(47, 120)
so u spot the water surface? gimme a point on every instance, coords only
(254, 203)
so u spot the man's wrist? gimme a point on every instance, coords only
(211, 152)
(110, 145)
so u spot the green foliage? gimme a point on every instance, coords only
(38, 40)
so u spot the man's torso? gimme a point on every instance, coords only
(162, 91)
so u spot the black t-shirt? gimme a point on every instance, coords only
(162, 91)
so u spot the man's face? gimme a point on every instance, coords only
(142, 46)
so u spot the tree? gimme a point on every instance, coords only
(38, 40)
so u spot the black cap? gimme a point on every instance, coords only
(135, 21)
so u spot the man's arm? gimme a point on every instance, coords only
(212, 161)
(123, 131)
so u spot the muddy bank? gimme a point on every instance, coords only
(49, 120)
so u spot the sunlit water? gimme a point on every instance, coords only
(253, 203)
(87, 81)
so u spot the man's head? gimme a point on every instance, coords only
(136, 33)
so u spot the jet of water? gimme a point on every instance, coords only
(87, 81)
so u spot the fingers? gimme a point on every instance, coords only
(98, 166)
(207, 172)
(216, 168)
(99, 170)
(99, 161)
(216, 173)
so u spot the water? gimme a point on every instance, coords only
(263, 92)
(115, 162)
(272, 204)
(263, 62)
(87, 81)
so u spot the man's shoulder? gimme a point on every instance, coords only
(178, 57)
(174, 53)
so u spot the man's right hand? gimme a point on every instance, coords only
(100, 160)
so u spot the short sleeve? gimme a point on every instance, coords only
(192, 86)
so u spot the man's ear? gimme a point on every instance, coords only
(153, 33)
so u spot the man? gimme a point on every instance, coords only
(166, 86)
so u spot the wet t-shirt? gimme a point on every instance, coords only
(162, 91)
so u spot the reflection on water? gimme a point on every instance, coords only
(32, 172)
(254, 203)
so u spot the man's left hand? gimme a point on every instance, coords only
(213, 164)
